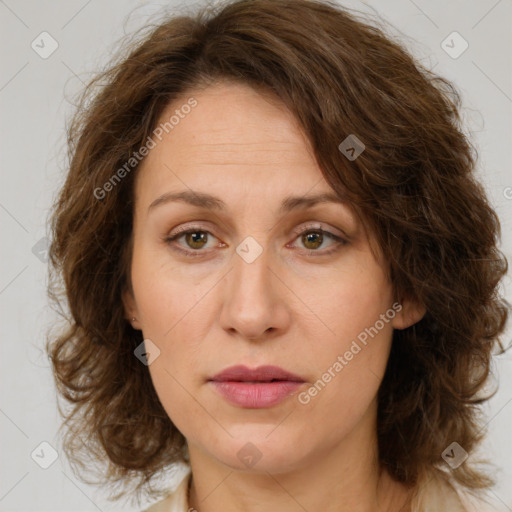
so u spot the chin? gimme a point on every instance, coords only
(259, 452)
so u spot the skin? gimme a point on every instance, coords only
(294, 306)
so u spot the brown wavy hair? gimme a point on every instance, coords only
(414, 185)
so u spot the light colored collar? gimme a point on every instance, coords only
(177, 501)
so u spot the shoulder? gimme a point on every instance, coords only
(177, 501)
(437, 494)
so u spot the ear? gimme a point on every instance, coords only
(130, 309)
(409, 313)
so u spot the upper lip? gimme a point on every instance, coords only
(265, 373)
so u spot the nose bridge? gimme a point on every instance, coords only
(252, 303)
(252, 262)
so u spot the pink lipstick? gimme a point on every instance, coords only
(260, 387)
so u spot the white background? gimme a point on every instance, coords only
(34, 103)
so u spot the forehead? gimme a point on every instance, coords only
(233, 133)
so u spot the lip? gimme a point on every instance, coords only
(265, 373)
(256, 388)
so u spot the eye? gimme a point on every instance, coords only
(314, 236)
(195, 238)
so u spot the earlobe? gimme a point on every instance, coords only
(410, 314)
(130, 309)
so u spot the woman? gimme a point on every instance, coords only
(280, 269)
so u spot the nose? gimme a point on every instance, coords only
(255, 304)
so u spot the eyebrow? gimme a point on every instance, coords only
(204, 200)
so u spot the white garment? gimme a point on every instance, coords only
(176, 501)
(434, 496)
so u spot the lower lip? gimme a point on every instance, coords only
(256, 395)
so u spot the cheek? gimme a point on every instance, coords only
(349, 368)
(178, 398)
(351, 298)
(164, 292)
(347, 382)
(169, 302)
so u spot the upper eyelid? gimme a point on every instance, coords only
(319, 226)
(311, 225)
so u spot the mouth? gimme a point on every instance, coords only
(260, 374)
(257, 388)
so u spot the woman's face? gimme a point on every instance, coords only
(255, 283)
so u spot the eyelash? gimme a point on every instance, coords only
(308, 229)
